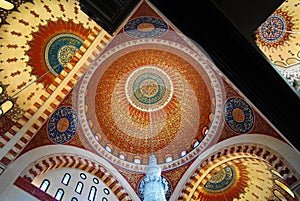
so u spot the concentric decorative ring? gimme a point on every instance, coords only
(272, 30)
(149, 88)
(238, 115)
(114, 95)
(146, 27)
(59, 51)
(221, 181)
(62, 125)
(276, 30)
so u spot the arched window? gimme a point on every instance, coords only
(108, 148)
(96, 181)
(106, 191)
(137, 159)
(6, 106)
(45, 185)
(284, 187)
(74, 199)
(196, 143)
(168, 158)
(59, 194)
(183, 153)
(66, 179)
(121, 156)
(92, 193)
(79, 187)
(82, 176)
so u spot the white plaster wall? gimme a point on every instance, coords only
(9, 192)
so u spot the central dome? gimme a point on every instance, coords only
(130, 80)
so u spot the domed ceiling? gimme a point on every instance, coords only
(146, 89)
(153, 77)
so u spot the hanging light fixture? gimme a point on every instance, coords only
(154, 189)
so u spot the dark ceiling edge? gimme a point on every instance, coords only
(240, 60)
(109, 14)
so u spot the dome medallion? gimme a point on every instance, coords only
(149, 88)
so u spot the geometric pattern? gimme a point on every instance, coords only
(149, 88)
(274, 32)
(53, 46)
(145, 27)
(222, 180)
(238, 115)
(62, 125)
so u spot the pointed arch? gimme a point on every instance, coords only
(263, 147)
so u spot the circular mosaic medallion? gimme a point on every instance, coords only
(146, 27)
(52, 46)
(62, 125)
(272, 30)
(60, 50)
(221, 181)
(149, 88)
(238, 115)
(165, 185)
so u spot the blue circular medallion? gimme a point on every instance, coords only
(221, 181)
(146, 27)
(273, 29)
(238, 115)
(59, 51)
(149, 88)
(62, 125)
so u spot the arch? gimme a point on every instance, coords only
(261, 146)
(42, 159)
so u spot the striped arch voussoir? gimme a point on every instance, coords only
(255, 150)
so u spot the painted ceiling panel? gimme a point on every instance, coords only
(27, 43)
(279, 39)
(146, 89)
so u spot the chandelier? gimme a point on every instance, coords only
(154, 188)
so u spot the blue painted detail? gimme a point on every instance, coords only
(70, 117)
(245, 123)
(146, 27)
(221, 180)
(149, 88)
(60, 49)
(273, 29)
